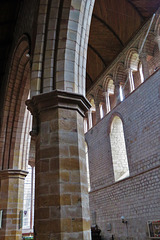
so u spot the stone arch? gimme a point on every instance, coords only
(17, 92)
(111, 119)
(117, 75)
(132, 59)
(105, 82)
(99, 93)
(109, 89)
(121, 78)
(61, 47)
(134, 64)
(152, 50)
(143, 38)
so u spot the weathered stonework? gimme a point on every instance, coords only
(61, 207)
(11, 195)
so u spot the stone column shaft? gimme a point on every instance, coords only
(97, 112)
(108, 105)
(145, 69)
(11, 202)
(117, 94)
(131, 80)
(90, 118)
(61, 194)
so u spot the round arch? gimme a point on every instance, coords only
(132, 59)
(118, 149)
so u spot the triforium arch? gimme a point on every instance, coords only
(134, 68)
(109, 90)
(132, 59)
(150, 54)
(121, 79)
(15, 141)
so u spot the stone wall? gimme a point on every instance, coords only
(136, 197)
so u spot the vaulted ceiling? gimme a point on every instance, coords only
(114, 22)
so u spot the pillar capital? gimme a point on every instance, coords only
(128, 70)
(12, 173)
(58, 99)
(143, 55)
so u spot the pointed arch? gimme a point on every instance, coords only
(17, 92)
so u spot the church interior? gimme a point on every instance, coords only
(79, 119)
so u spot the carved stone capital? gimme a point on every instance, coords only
(58, 99)
(13, 173)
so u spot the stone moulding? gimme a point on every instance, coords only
(58, 99)
(55, 99)
(12, 173)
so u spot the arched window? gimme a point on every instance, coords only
(28, 205)
(118, 150)
(29, 193)
(87, 165)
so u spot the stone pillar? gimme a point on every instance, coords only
(97, 111)
(61, 192)
(85, 125)
(11, 202)
(108, 106)
(157, 40)
(117, 94)
(145, 69)
(131, 80)
(90, 122)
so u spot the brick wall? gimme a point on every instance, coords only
(137, 197)
(26, 24)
